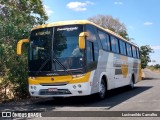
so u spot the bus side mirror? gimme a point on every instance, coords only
(19, 46)
(81, 40)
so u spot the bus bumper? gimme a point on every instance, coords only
(78, 89)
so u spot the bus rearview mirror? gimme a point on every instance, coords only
(81, 40)
(19, 45)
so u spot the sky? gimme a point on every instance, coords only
(141, 17)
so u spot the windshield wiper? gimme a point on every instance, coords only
(65, 69)
(55, 60)
(42, 66)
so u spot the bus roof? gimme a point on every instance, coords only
(81, 22)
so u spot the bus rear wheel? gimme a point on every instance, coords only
(103, 90)
(131, 86)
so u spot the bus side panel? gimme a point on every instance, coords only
(105, 62)
(133, 65)
(137, 70)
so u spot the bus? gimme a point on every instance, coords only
(79, 58)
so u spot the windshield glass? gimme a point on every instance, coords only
(55, 52)
(40, 49)
(66, 48)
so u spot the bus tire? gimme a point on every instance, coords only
(103, 90)
(131, 86)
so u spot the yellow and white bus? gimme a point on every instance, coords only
(79, 58)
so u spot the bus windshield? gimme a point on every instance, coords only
(60, 43)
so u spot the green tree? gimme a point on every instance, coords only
(157, 66)
(145, 58)
(108, 22)
(17, 17)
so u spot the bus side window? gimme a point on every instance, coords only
(114, 44)
(134, 52)
(137, 53)
(129, 50)
(122, 47)
(104, 38)
(89, 51)
(92, 42)
(96, 51)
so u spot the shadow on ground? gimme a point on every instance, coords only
(114, 97)
(151, 78)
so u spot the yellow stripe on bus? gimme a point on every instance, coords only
(59, 79)
(139, 72)
(124, 66)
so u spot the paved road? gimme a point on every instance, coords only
(144, 97)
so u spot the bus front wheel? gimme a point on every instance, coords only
(102, 90)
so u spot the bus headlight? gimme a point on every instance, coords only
(35, 87)
(74, 86)
(79, 85)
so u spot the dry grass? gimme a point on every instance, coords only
(155, 70)
(158, 71)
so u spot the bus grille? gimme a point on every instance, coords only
(54, 84)
(58, 92)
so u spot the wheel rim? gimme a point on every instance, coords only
(132, 84)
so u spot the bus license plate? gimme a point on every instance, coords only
(52, 89)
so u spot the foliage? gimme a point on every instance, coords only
(17, 19)
(155, 67)
(145, 58)
(108, 22)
